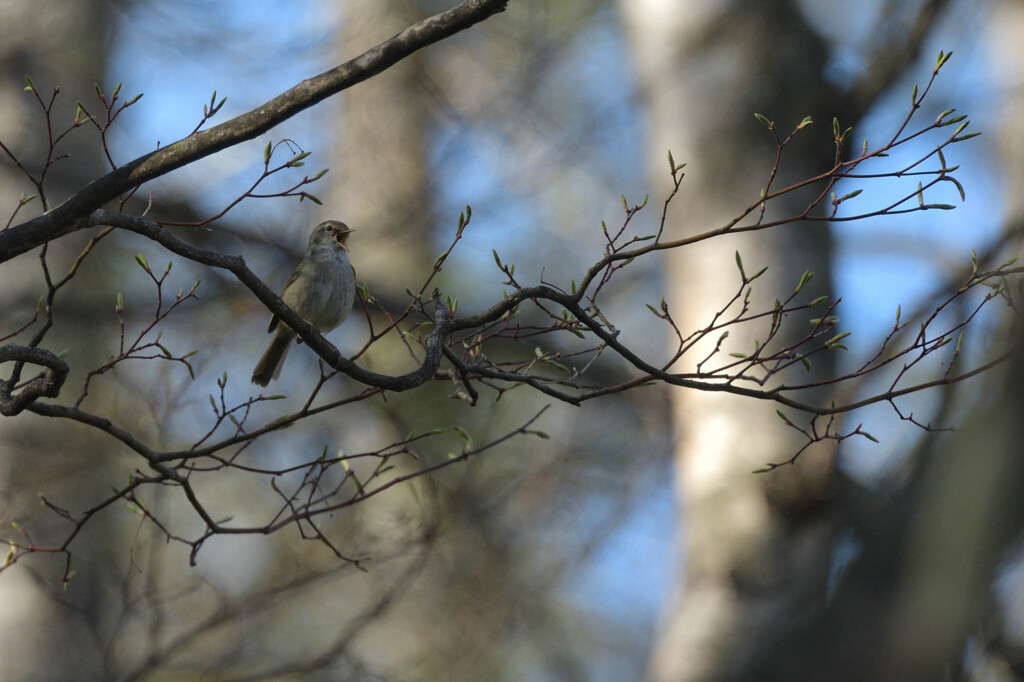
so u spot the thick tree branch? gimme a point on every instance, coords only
(74, 213)
(46, 386)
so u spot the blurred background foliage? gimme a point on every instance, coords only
(559, 559)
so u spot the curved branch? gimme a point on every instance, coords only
(778, 394)
(434, 342)
(73, 214)
(46, 386)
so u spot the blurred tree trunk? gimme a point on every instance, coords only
(1006, 52)
(49, 633)
(962, 511)
(758, 551)
(757, 547)
(380, 182)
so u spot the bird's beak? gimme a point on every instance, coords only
(342, 236)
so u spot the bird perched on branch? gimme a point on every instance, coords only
(321, 291)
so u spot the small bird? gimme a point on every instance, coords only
(321, 290)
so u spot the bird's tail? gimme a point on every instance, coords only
(269, 366)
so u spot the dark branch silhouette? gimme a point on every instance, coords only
(74, 213)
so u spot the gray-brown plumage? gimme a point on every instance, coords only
(321, 290)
